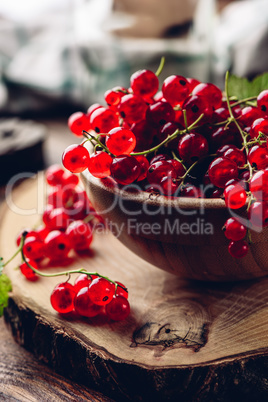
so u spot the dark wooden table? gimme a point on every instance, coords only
(22, 376)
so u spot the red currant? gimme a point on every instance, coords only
(238, 249)
(175, 89)
(102, 120)
(160, 113)
(79, 234)
(27, 271)
(259, 126)
(192, 147)
(78, 122)
(120, 141)
(235, 196)
(144, 83)
(57, 245)
(62, 298)
(234, 230)
(118, 309)
(258, 156)
(101, 291)
(211, 92)
(75, 158)
(259, 185)
(125, 169)
(99, 164)
(262, 101)
(132, 108)
(84, 306)
(221, 170)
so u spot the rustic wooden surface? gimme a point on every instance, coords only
(192, 341)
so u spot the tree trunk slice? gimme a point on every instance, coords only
(190, 340)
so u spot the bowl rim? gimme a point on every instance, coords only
(156, 200)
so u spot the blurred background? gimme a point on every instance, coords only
(60, 56)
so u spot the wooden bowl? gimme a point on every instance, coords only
(182, 235)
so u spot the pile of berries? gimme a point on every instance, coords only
(186, 140)
(67, 224)
(67, 228)
(91, 295)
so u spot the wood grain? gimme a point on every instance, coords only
(24, 378)
(183, 340)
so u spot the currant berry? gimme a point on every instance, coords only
(258, 156)
(175, 89)
(125, 169)
(144, 134)
(54, 175)
(83, 280)
(62, 298)
(118, 309)
(192, 147)
(57, 245)
(144, 166)
(221, 170)
(102, 120)
(249, 114)
(92, 109)
(101, 291)
(144, 83)
(219, 115)
(121, 290)
(259, 126)
(262, 101)
(75, 158)
(113, 96)
(132, 108)
(235, 196)
(238, 249)
(258, 214)
(33, 248)
(259, 185)
(159, 114)
(223, 136)
(194, 107)
(120, 141)
(235, 155)
(78, 122)
(29, 274)
(163, 175)
(84, 306)
(57, 219)
(234, 230)
(211, 92)
(79, 234)
(167, 130)
(99, 164)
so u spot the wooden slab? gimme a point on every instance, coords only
(183, 339)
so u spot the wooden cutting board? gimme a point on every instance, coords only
(182, 341)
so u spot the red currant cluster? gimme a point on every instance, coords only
(67, 224)
(91, 295)
(187, 140)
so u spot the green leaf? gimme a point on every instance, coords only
(242, 88)
(5, 287)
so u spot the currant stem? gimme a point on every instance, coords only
(161, 66)
(19, 250)
(93, 138)
(244, 139)
(169, 138)
(64, 273)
